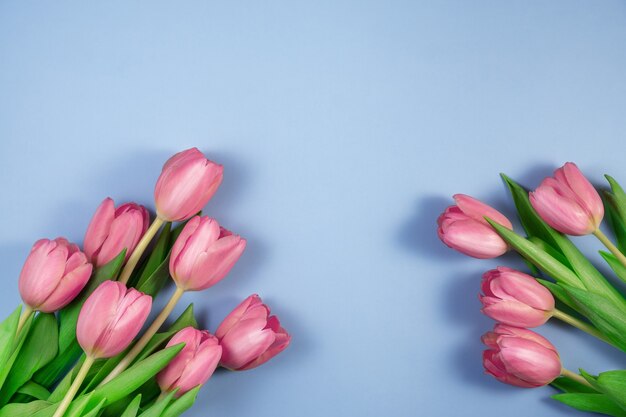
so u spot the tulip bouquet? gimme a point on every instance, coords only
(76, 347)
(561, 283)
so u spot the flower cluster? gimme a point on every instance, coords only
(568, 287)
(96, 301)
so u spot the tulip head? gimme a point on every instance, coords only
(250, 336)
(114, 229)
(568, 202)
(203, 254)
(187, 183)
(54, 273)
(514, 298)
(194, 364)
(520, 357)
(111, 318)
(463, 227)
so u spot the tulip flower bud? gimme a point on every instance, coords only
(463, 227)
(187, 183)
(250, 336)
(112, 230)
(568, 202)
(514, 298)
(111, 318)
(203, 254)
(54, 273)
(194, 364)
(520, 357)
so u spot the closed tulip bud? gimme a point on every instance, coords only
(111, 318)
(194, 364)
(250, 336)
(187, 183)
(54, 273)
(568, 202)
(514, 298)
(203, 254)
(520, 357)
(112, 230)
(463, 227)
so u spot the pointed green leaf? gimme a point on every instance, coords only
(158, 254)
(603, 313)
(8, 330)
(34, 390)
(61, 389)
(613, 384)
(615, 265)
(592, 403)
(571, 385)
(157, 408)
(135, 376)
(559, 293)
(23, 409)
(133, 407)
(40, 347)
(184, 403)
(537, 256)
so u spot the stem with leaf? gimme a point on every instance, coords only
(69, 396)
(585, 327)
(139, 250)
(610, 246)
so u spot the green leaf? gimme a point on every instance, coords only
(616, 222)
(182, 404)
(61, 389)
(8, 330)
(79, 407)
(615, 265)
(538, 256)
(49, 374)
(593, 403)
(34, 390)
(613, 384)
(571, 385)
(40, 347)
(24, 409)
(69, 315)
(135, 376)
(133, 407)
(157, 408)
(158, 254)
(603, 313)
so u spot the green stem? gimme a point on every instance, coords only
(585, 327)
(572, 375)
(139, 250)
(610, 246)
(69, 396)
(28, 311)
(141, 343)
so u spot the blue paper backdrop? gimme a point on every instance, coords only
(344, 127)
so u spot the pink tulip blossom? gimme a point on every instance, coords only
(187, 183)
(111, 230)
(111, 318)
(514, 298)
(250, 336)
(54, 273)
(203, 254)
(520, 357)
(194, 364)
(463, 227)
(568, 202)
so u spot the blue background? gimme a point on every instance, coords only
(344, 127)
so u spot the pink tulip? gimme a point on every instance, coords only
(54, 273)
(520, 357)
(568, 202)
(187, 183)
(111, 318)
(514, 298)
(194, 365)
(111, 230)
(463, 227)
(203, 254)
(250, 336)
